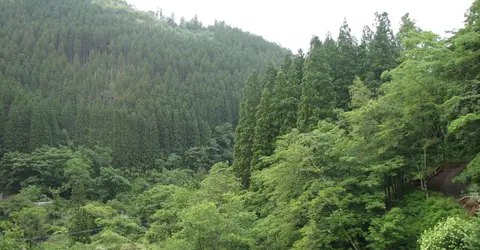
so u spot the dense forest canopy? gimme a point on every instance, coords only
(100, 73)
(122, 129)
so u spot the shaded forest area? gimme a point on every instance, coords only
(122, 129)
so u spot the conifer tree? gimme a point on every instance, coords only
(2, 126)
(82, 126)
(317, 100)
(266, 130)
(40, 131)
(346, 68)
(364, 61)
(17, 127)
(167, 135)
(330, 48)
(286, 94)
(384, 50)
(245, 130)
(193, 133)
(52, 107)
(204, 130)
(179, 131)
(150, 143)
(84, 74)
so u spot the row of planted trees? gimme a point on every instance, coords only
(101, 73)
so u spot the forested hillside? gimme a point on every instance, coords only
(100, 73)
(332, 148)
(122, 129)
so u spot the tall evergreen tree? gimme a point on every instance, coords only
(266, 130)
(384, 50)
(2, 127)
(17, 126)
(286, 94)
(179, 131)
(149, 145)
(193, 133)
(83, 126)
(245, 130)
(40, 131)
(317, 100)
(52, 107)
(346, 68)
(331, 51)
(364, 60)
(330, 48)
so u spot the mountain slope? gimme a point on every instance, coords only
(102, 73)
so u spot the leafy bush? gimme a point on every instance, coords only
(455, 233)
(401, 226)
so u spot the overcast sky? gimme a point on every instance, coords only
(292, 23)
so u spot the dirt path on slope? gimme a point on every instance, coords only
(441, 180)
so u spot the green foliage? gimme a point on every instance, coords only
(345, 65)
(196, 159)
(2, 126)
(10, 234)
(79, 225)
(88, 220)
(360, 94)
(387, 232)
(77, 170)
(383, 51)
(40, 131)
(173, 161)
(317, 100)
(25, 198)
(457, 124)
(453, 233)
(472, 171)
(111, 240)
(123, 226)
(264, 133)
(314, 203)
(221, 147)
(212, 216)
(17, 125)
(146, 88)
(111, 182)
(124, 139)
(153, 200)
(205, 227)
(177, 177)
(221, 180)
(421, 214)
(289, 96)
(32, 221)
(244, 133)
(50, 168)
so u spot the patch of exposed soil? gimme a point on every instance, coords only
(442, 180)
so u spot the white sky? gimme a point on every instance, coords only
(293, 23)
